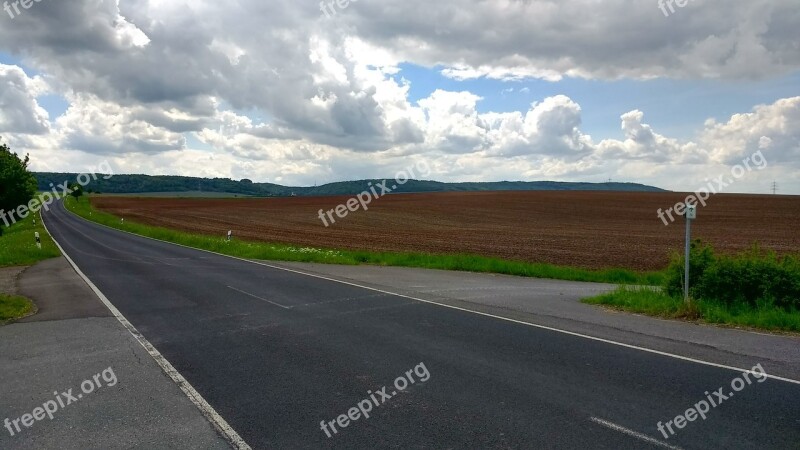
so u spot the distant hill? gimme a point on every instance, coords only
(146, 184)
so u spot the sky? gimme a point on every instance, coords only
(298, 92)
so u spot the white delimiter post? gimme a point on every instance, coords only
(691, 214)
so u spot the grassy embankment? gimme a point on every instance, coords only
(755, 289)
(18, 248)
(282, 252)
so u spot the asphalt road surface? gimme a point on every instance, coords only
(276, 352)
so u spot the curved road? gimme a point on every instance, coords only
(276, 352)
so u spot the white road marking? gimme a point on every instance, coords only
(338, 301)
(543, 327)
(262, 299)
(206, 409)
(635, 434)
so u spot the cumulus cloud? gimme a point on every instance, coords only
(774, 128)
(99, 127)
(19, 110)
(643, 143)
(275, 91)
(513, 39)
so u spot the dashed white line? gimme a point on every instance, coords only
(632, 433)
(260, 298)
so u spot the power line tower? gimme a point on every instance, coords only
(774, 187)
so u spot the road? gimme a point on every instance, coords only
(276, 352)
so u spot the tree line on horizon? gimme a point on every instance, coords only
(139, 184)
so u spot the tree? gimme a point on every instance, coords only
(76, 190)
(17, 184)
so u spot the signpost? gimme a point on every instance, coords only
(691, 214)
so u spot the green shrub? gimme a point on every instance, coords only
(754, 278)
(701, 257)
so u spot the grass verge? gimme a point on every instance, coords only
(653, 302)
(18, 246)
(282, 252)
(14, 307)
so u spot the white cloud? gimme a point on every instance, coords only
(773, 128)
(643, 143)
(99, 127)
(19, 110)
(613, 39)
(143, 75)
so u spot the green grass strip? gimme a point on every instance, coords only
(652, 302)
(14, 307)
(282, 252)
(18, 245)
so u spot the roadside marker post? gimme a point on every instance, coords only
(38, 240)
(691, 214)
(230, 233)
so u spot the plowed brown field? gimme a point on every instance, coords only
(582, 229)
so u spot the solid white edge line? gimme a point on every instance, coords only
(206, 409)
(543, 327)
(635, 434)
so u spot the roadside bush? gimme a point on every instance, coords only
(17, 184)
(755, 278)
(701, 258)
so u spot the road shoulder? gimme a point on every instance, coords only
(73, 339)
(556, 304)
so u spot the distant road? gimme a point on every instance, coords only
(276, 352)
